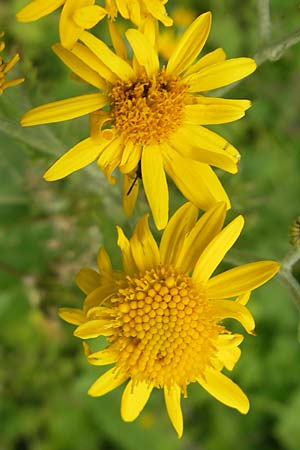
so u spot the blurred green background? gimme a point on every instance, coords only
(50, 230)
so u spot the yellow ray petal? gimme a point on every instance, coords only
(190, 44)
(6, 67)
(107, 382)
(111, 157)
(172, 400)
(100, 313)
(37, 9)
(102, 358)
(88, 16)
(155, 184)
(134, 399)
(143, 246)
(72, 315)
(241, 279)
(209, 59)
(224, 390)
(229, 357)
(173, 237)
(104, 263)
(122, 6)
(74, 159)
(227, 309)
(116, 64)
(156, 9)
(11, 83)
(79, 67)
(127, 259)
(149, 27)
(130, 189)
(87, 280)
(94, 328)
(126, 11)
(117, 40)
(134, 11)
(97, 120)
(64, 109)
(197, 181)
(207, 227)
(69, 31)
(238, 103)
(216, 250)
(131, 157)
(209, 140)
(221, 74)
(209, 114)
(143, 51)
(228, 341)
(244, 298)
(98, 296)
(190, 143)
(91, 60)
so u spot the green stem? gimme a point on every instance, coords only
(290, 281)
(263, 7)
(275, 51)
(287, 277)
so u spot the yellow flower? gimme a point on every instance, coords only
(162, 316)
(6, 67)
(76, 16)
(153, 118)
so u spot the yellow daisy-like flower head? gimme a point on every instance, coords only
(6, 67)
(76, 16)
(162, 316)
(154, 116)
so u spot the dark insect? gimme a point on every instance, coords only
(138, 174)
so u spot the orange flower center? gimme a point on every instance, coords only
(166, 330)
(146, 111)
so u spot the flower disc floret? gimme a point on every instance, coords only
(167, 329)
(148, 110)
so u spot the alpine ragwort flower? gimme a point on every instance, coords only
(6, 67)
(153, 116)
(162, 316)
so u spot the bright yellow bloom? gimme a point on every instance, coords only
(6, 67)
(76, 16)
(162, 316)
(153, 118)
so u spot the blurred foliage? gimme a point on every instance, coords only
(49, 231)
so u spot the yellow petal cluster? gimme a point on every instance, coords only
(162, 315)
(5, 67)
(153, 119)
(79, 15)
